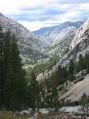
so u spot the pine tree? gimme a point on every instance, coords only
(55, 99)
(34, 91)
(81, 63)
(12, 76)
(1, 69)
(84, 102)
(87, 61)
(17, 77)
(71, 69)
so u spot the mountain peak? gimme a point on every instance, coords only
(79, 34)
(86, 24)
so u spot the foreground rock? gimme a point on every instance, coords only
(77, 90)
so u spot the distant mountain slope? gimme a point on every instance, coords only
(42, 31)
(58, 38)
(28, 43)
(55, 34)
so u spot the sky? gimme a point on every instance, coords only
(35, 14)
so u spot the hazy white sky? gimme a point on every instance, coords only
(35, 14)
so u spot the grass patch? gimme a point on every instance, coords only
(41, 67)
(10, 115)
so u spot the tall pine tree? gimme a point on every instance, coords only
(12, 76)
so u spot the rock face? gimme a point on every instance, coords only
(77, 90)
(80, 46)
(58, 38)
(28, 43)
(79, 35)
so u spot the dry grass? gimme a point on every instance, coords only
(63, 116)
(41, 116)
(10, 115)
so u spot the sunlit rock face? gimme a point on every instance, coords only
(80, 33)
